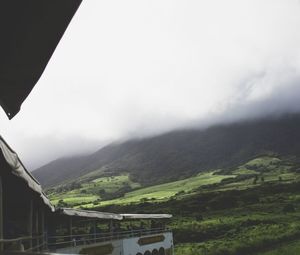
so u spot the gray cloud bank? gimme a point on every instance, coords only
(283, 100)
(138, 68)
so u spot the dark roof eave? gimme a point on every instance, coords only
(30, 32)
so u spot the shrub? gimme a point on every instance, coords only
(288, 208)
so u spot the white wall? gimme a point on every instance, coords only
(128, 246)
(117, 244)
(132, 247)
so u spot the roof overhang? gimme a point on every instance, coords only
(18, 169)
(30, 32)
(109, 216)
(89, 214)
(147, 216)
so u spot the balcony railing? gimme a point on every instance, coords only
(64, 241)
(25, 243)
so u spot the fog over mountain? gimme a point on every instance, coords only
(138, 68)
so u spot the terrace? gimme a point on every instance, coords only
(29, 222)
(76, 230)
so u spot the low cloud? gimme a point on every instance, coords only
(140, 68)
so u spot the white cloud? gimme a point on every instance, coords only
(142, 67)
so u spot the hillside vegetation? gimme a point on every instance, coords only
(232, 189)
(96, 192)
(91, 191)
(252, 208)
(181, 154)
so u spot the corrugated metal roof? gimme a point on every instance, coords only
(147, 216)
(18, 169)
(114, 216)
(89, 214)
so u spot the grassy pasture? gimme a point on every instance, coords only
(266, 168)
(166, 191)
(251, 209)
(91, 191)
(292, 248)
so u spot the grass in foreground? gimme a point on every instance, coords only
(292, 248)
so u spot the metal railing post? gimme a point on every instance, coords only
(95, 231)
(71, 231)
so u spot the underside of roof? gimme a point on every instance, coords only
(146, 216)
(113, 216)
(90, 214)
(30, 32)
(18, 169)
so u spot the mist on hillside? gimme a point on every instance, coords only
(136, 69)
(280, 102)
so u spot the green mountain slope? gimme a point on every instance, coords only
(120, 190)
(252, 208)
(181, 154)
(97, 191)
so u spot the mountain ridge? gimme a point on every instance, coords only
(180, 154)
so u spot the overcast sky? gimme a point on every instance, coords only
(134, 68)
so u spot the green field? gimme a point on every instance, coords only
(240, 234)
(292, 248)
(166, 191)
(89, 192)
(161, 192)
(253, 208)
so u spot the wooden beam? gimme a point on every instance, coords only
(71, 229)
(36, 226)
(42, 228)
(95, 230)
(29, 222)
(1, 215)
(111, 227)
